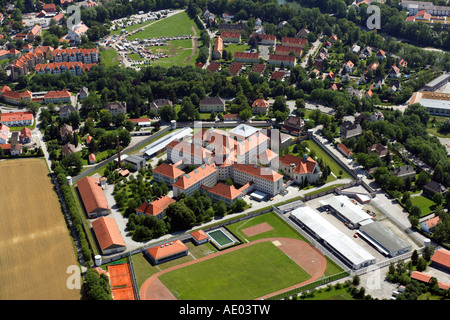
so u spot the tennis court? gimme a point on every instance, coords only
(121, 283)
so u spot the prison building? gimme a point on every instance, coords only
(345, 210)
(328, 235)
(383, 239)
(94, 199)
(166, 252)
(108, 235)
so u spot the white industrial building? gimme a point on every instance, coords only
(339, 243)
(346, 210)
(383, 239)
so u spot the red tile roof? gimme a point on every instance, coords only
(346, 150)
(195, 176)
(17, 96)
(301, 166)
(230, 35)
(16, 116)
(92, 194)
(199, 235)
(224, 190)
(290, 41)
(168, 170)
(279, 57)
(107, 233)
(261, 172)
(246, 55)
(442, 257)
(57, 94)
(420, 276)
(260, 103)
(156, 207)
(167, 250)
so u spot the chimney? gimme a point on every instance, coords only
(118, 151)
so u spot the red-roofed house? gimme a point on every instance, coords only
(300, 169)
(218, 48)
(49, 7)
(233, 37)
(286, 50)
(394, 72)
(62, 96)
(17, 98)
(235, 68)
(246, 57)
(294, 42)
(91, 158)
(34, 32)
(260, 106)
(265, 39)
(166, 252)
(15, 119)
(155, 208)
(108, 235)
(282, 60)
(429, 224)
(25, 135)
(4, 133)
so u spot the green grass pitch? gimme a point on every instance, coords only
(244, 274)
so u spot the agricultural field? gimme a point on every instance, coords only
(35, 245)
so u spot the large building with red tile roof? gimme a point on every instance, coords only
(246, 57)
(165, 252)
(34, 32)
(155, 208)
(4, 133)
(263, 179)
(189, 153)
(75, 68)
(61, 96)
(14, 119)
(167, 172)
(286, 50)
(227, 193)
(108, 235)
(282, 60)
(17, 98)
(294, 42)
(75, 54)
(300, 169)
(93, 198)
(441, 259)
(204, 175)
(199, 237)
(233, 37)
(26, 63)
(260, 106)
(265, 39)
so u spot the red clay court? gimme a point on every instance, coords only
(121, 283)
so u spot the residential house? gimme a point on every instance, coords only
(303, 33)
(83, 93)
(365, 53)
(231, 117)
(91, 158)
(116, 107)
(25, 135)
(75, 55)
(213, 66)
(355, 49)
(4, 133)
(75, 68)
(231, 37)
(15, 119)
(260, 106)
(155, 208)
(282, 60)
(17, 98)
(429, 224)
(294, 42)
(285, 51)
(16, 149)
(66, 110)
(65, 130)
(378, 82)
(434, 187)
(379, 149)
(67, 149)
(236, 68)
(293, 125)
(394, 72)
(405, 172)
(380, 54)
(49, 7)
(350, 129)
(376, 115)
(246, 57)
(210, 104)
(394, 86)
(34, 32)
(75, 33)
(218, 48)
(62, 96)
(265, 39)
(348, 66)
(259, 68)
(232, 27)
(157, 104)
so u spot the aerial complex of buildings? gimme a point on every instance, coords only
(283, 166)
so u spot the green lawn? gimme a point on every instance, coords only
(176, 25)
(243, 274)
(330, 294)
(426, 205)
(334, 166)
(280, 228)
(110, 57)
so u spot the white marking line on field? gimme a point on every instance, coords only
(277, 243)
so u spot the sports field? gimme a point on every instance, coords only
(246, 274)
(35, 245)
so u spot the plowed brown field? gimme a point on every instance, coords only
(35, 245)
